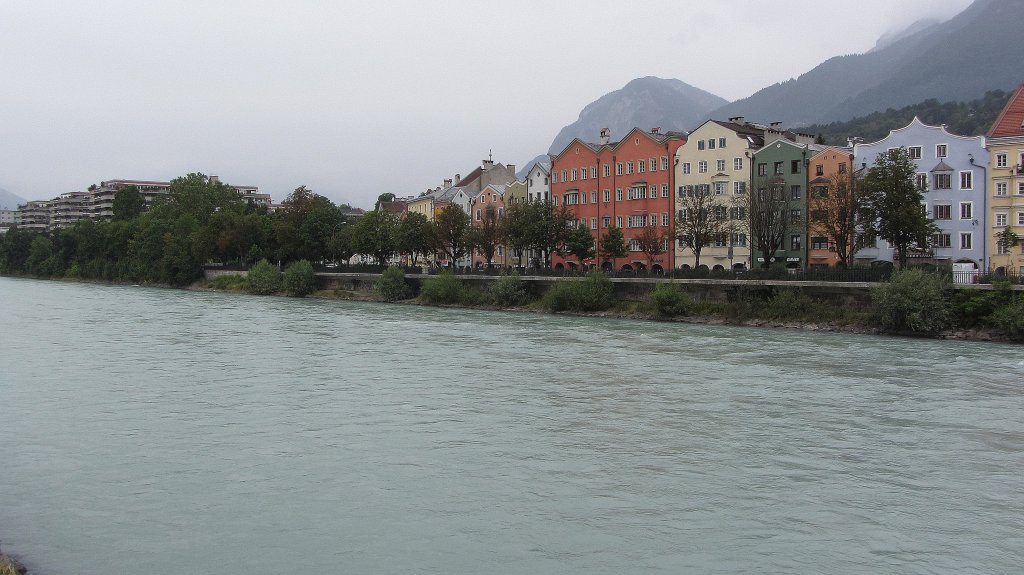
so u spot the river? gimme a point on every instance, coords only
(162, 431)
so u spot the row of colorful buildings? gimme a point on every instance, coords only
(974, 189)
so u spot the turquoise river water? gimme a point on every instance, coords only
(159, 431)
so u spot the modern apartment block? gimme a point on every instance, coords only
(1006, 185)
(951, 169)
(627, 184)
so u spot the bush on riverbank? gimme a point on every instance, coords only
(264, 279)
(392, 285)
(444, 289)
(913, 300)
(509, 291)
(670, 301)
(298, 279)
(594, 293)
(230, 282)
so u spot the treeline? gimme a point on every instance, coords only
(202, 221)
(962, 118)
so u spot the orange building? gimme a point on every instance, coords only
(627, 184)
(828, 170)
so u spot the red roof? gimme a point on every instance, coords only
(1011, 120)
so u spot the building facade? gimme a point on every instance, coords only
(779, 176)
(1005, 143)
(829, 169)
(952, 171)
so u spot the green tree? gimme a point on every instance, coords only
(451, 227)
(264, 278)
(549, 228)
(835, 210)
(514, 228)
(613, 243)
(299, 279)
(374, 235)
(580, 243)
(485, 236)
(341, 246)
(383, 198)
(769, 208)
(414, 236)
(893, 203)
(128, 203)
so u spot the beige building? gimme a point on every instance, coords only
(1005, 143)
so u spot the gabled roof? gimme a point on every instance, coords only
(942, 167)
(470, 177)
(544, 167)
(1011, 120)
(917, 123)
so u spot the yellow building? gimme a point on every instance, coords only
(1005, 142)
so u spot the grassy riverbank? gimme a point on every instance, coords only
(11, 566)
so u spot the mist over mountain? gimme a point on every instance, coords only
(10, 200)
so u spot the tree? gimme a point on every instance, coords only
(414, 236)
(374, 235)
(486, 235)
(383, 198)
(514, 229)
(451, 228)
(893, 203)
(549, 228)
(128, 203)
(651, 242)
(835, 210)
(768, 208)
(1008, 238)
(613, 243)
(304, 225)
(580, 243)
(341, 246)
(701, 219)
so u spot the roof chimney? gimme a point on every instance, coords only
(606, 135)
(776, 125)
(738, 120)
(511, 168)
(656, 130)
(458, 178)
(214, 179)
(447, 184)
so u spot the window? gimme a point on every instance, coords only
(721, 240)
(700, 144)
(593, 223)
(941, 241)
(711, 143)
(1020, 218)
(967, 180)
(618, 194)
(664, 220)
(842, 168)
(762, 169)
(966, 210)
(583, 197)
(778, 168)
(478, 214)
(1001, 160)
(686, 167)
(629, 167)
(641, 167)
(1001, 220)
(607, 195)
(565, 175)
(637, 221)
(664, 163)
(572, 198)
(634, 245)
(739, 188)
(583, 173)
(795, 216)
(794, 242)
(1001, 249)
(739, 240)
(921, 181)
(554, 177)
(721, 142)
(914, 152)
(573, 175)
(819, 243)
(966, 240)
(653, 165)
(720, 165)
(940, 150)
(702, 166)
(607, 170)
(593, 197)
(721, 187)
(1020, 188)
(638, 192)
(819, 170)
(738, 213)
(664, 191)
(1001, 188)
(606, 221)
(654, 220)
(794, 166)
(795, 193)
(943, 182)
(737, 163)
(618, 221)
(593, 172)
(618, 168)
(943, 212)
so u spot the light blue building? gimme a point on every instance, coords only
(953, 171)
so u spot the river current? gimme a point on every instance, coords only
(162, 431)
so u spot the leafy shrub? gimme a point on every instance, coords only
(789, 304)
(228, 282)
(670, 300)
(299, 279)
(509, 291)
(913, 300)
(444, 288)
(595, 293)
(392, 285)
(264, 279)
(1010, 319)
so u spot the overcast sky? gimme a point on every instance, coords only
(353, 99)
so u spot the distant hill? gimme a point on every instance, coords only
(645, 103)
(10, 201)
(962, 118)
(958, 60)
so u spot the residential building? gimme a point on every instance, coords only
(1005, 143)
(9, 219)
(829, 169)
(779, 171)
(951, 169)
(70, 208)
(35, 215)
(538, 184)
(491, 197)
(627, 184)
